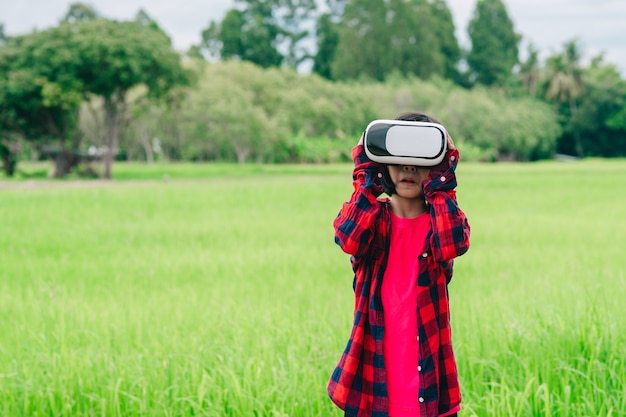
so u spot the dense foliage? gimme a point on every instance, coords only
(46, 76)
(95, 88)
(241, 111)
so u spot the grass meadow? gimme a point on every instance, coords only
(217, 290)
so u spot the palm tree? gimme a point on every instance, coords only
(529, 71)
(565, 84)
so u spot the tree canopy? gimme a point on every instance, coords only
(494, 50)
(257, 31)
(327, 34)
(117, 56)
(45, 76)
(378, 38)
(39, 92)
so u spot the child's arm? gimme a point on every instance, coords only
(354, 225)
(451, 230)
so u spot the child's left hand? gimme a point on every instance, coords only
(445, 164)
(451, 143)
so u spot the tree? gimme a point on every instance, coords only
(80, 12)
(415, 39)
(7, 148)
(327, 37)
(444, 26)
(603, 107)
(8, 155)
(267, 33)
(380, 37)
(363, 48)
(45, 76)
(327, 34)
(40, 93)
(294, 18)
(529, 71)
(494, 50)
(113, 57)
(230, 35)
(243, 35)
(143, 18)
(590, 101)
(224, 117)
(564, 86)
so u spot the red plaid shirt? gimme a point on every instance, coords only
(362, 229)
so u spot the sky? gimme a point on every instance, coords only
(547, 24)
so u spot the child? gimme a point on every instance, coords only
(399, 360)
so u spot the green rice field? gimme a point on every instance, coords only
(217, 290)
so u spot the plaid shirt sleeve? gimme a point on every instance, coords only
(451, 230)
(355, 223)
(357, 384)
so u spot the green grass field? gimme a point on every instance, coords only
(220, 292)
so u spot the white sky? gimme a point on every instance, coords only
(598, 24)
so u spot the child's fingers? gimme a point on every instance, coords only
(451, 143)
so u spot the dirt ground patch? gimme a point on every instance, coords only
(65, 184)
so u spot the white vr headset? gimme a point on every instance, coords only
(399, 142)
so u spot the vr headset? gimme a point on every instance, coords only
(398, 142)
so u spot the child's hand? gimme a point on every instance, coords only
(445, 164)
(361, 140)
(451, 143)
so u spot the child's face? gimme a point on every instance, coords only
(408, 180)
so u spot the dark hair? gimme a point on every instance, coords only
(385, 181)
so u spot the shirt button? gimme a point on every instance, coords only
(419, 368)
(380, 175)
(452, 158)
(443, 179)
(424, 255)
(421, 399)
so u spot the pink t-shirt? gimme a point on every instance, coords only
(399, 296)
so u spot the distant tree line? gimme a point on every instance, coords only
(361, 40)
(93, 88)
